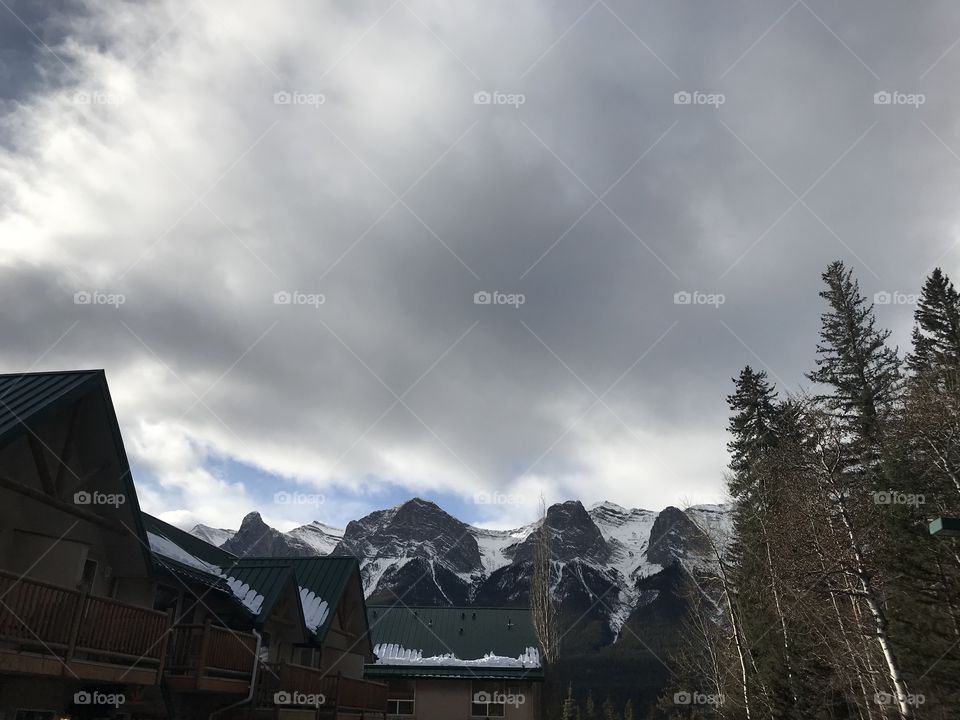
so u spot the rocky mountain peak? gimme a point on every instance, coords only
(674, 537)
(255, 537)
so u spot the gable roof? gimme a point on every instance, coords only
(322, 581)
(29, 397)
(259, 582)
(189, 543)
(26, 399)
(468, 633)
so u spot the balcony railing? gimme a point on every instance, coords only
(208, 657)
(58, 631)
(294, 682)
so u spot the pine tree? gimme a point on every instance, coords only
(590, 711)
(936, 334)
(570, 711)
(753, 423)
(854, 360)
(609, 711)
(628, 710)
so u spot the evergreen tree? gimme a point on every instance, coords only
(590, 711)
(628, 710)
(854, 360)
(753, 423)
(609, 711)
(936, 334)
(570, 711)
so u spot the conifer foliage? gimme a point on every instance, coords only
(832, 599)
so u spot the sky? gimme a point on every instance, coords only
(332, 255)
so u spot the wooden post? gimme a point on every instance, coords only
(165, 645)
(204, 644)
(75, 627)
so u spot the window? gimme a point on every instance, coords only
(487, 699)
(400, 697)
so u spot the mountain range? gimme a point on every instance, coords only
(616, 570)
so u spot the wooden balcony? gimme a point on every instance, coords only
(208, 658)
(339, 692)
(51, 630)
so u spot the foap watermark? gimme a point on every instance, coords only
(495, 97)
(885, 698)
(284, 297)
(687, 697)
(499, 698)
(298, 498)
(96, 97)
(96, 297)
(314, 100)
(86, 697)
(496, 498)
(895, 97)
(695, 297)
(83, 497)
(495, 297)
(696, 97)
(884, 297)
(295, 697)
(892, 497)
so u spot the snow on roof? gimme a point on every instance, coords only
(393, 654)
(250, 598)
(169, 549)
(315, 609)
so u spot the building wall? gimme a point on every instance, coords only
(450, 699)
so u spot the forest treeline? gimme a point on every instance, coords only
(832, 599)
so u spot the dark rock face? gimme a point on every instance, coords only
(675, 537)
(255, 537)
(417, 528)
(574, 536)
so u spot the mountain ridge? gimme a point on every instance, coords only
(605, 558)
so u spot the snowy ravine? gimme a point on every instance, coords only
(418, 551)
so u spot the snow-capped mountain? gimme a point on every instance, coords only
(610, 562)
(212, 535)
(322, 538)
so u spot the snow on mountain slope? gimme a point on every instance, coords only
(497, 546)
(319, 536)
(418, 551)
(627, 533)
(212, 535)
(714, 520)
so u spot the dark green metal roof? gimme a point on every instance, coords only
(29, 397)
(190, 543)
(326, 577)
(467, 632)
(452, 672)
(268, 579)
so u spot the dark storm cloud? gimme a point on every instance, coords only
(597, 195)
